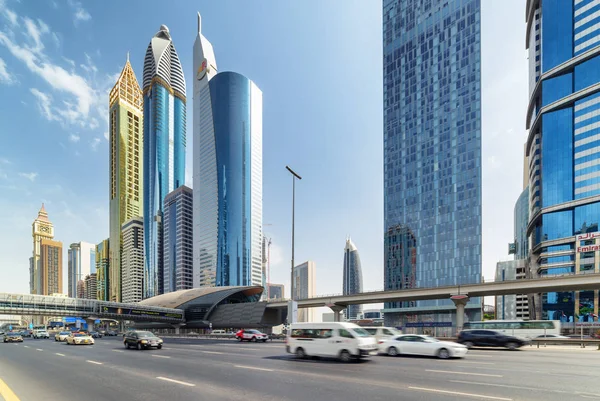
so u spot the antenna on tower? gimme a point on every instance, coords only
(199, 23)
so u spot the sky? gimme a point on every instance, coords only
(319, 66)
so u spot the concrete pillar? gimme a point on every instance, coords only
(337, 315)
(460, 301)
(177, 328)
(337, 311)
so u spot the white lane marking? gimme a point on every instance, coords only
(94, 362)
(433, 390)
(117, 350)
(462, 373)
(39, 349)
(240, 348)
(161, 356)
(253, 368)
(26, 346)
(473, 363)
(548, 390)
(479, 355)
(176, 381)
(213, 352)
(60, 354)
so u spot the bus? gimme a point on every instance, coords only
(518, 328)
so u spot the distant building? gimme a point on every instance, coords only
(41, 229)
(521, 217)
(81, 262)
(51, 272)
(102, 270)
(328, 317)
(177, 240)
(511, 306)
(374, 314)
(276, 291)
(132, 260)
(91, 288)
(352, 280)
(305, 287)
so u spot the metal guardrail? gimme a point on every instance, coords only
(566, 341)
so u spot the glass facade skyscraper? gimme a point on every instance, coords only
(164, 146)
(432, 151)
(178, 241)
(81, 262)
(521, 220)
(563, 146)
(352, 277)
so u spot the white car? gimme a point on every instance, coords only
(62, 336)
(382, 333)
(40, 334)
(80, 339)
(412, 344)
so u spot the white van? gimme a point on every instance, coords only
(383, 333)
(337, 339)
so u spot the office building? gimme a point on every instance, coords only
(227, 174)
(133, 260)
(51, 262)
(305, 287)
(352, 280)
(91, 288)
(432, 153)
(521, 219)
(513, 306)
(178, 241)
(164, 146)
(80, 292)
(81, 262)
(103, 270)
(276, 291)
(126, 118)
(563, 150)
(42, 228)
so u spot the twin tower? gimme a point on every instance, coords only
(216, 239)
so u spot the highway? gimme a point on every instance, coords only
(227, 370)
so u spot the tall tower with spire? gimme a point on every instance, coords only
(126, 122)
(42, 229)
(352, 277)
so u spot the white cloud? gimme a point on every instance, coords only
(94, 143)
(74, 138)
(30, 176)
(44, 104)
(106, 135)
(80, 14)
(35, 32)
(6, 77)
(11, 16)
(4, 161)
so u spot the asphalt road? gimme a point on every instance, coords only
(227, 370)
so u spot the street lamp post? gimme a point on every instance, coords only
(294, 176)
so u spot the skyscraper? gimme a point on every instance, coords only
(276, 291)
(91, 288)
(178, 241)
(432, 150)
(563, 149)
(51, 262)
(352, 277)
(227, 174)
(164, 146)
(102, 270)
(81, 262)
(41, 229)
(133, 260)
(305, 286)
(126, 168)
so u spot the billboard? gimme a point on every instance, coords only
(139, 312)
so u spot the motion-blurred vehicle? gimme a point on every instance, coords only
(579, 337)
(40, 334)
(11, 337)
(95, 334)
(489, 338)
(551, 337)
(383, 333)
(26, 333)
(77, 338)
(412, 344)
(62, 336)
(251, 335)
(142, 340)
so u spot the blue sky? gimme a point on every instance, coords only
(319, 66)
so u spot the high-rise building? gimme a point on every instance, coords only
(352, 281)
(512, 306)
(432, 150)
(521, 215)
(103, 270)
(41, 229)
(51, 272)
(126, 117)
(91, 286)
(227, 174)
(164, 146)
(133, 260)
(81, 262)
(305, 286)
(563, 149)
(178, 241)
(276, 291)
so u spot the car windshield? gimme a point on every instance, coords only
(79, 335)
(12, 334)
(430, 339)
(251, 331)
(360, 332)
(62, 333)
(145, 334)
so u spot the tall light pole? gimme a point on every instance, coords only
(294, 176)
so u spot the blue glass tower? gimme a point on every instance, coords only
(164, 147)
(563, 146)
(432, 152)
(352, 277)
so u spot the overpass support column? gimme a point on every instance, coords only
(460, 301)
(337, 312)
(177, 328)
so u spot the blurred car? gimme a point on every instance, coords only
(11, 337)
(579, 337)
(77, 338)
(251, 335)
(383, 333)
(26, 333)
(111, 333)
(412, 344)
(40, 334)
(489, 338)
(142, 340)
(103, 332)
(95, 334)
(62, 336)
(550, 337)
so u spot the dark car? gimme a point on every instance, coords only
(142, 340)
(111, 333)
(13, 338)
(26, 333)
(489, 338)
(95, 334)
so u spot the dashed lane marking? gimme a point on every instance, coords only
(60, 354)
(176, 381)
(433, 390)
(462, 373)
(161, 356)
(253, 368)
(94, 362)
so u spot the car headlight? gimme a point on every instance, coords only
(144, 341)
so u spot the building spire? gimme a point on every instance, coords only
(128, 56)
(199, 22)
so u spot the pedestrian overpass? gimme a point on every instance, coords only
(43, 305)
